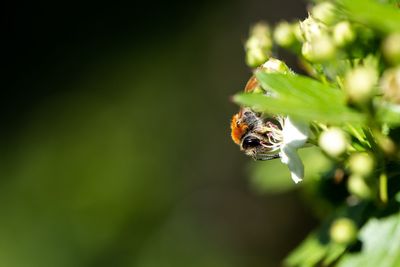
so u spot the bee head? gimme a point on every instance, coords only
(256, 135)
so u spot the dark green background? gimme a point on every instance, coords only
(115, 146)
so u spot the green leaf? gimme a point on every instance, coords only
(382, 17)
(318, 249)
(312, 252)
(299, 87)
(381, 244)
(308, 254)
(300, 97)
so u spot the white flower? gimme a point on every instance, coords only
(295, 135)
(287, 140)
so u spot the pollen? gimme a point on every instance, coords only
(237, 129)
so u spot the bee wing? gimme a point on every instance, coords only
(251, 84)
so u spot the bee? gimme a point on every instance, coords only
(258, 135)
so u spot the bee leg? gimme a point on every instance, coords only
(268, 157)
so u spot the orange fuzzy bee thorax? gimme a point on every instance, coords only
(238, 129)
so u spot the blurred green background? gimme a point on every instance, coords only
(115, 146)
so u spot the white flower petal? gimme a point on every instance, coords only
(295, 133)
(289, 157)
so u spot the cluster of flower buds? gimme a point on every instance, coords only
(390, 81)
(287, 34)
(362, 62)
(258, 46)
(350, 108)
(336, 143)
(318, 45)
(321, 36)
(318, 37)
(361, 165)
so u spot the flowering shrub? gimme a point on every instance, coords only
(347, 111)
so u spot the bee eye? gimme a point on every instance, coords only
(249, 142)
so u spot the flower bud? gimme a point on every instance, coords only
(324, 12)
(258, 46)
(319, 49)
(255, 57)
(360, 84)
(284, 35)
(390, 85)
(312, 29)
(397, 197)
(358, 187)
(307, 51)
(361, 164)
(391, 48)
(296, 28)
(275, 65)
(334, 142)
(343, 34)
(386, 143)
(343, 231)
(260, 29)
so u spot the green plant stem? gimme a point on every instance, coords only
(383, 195)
